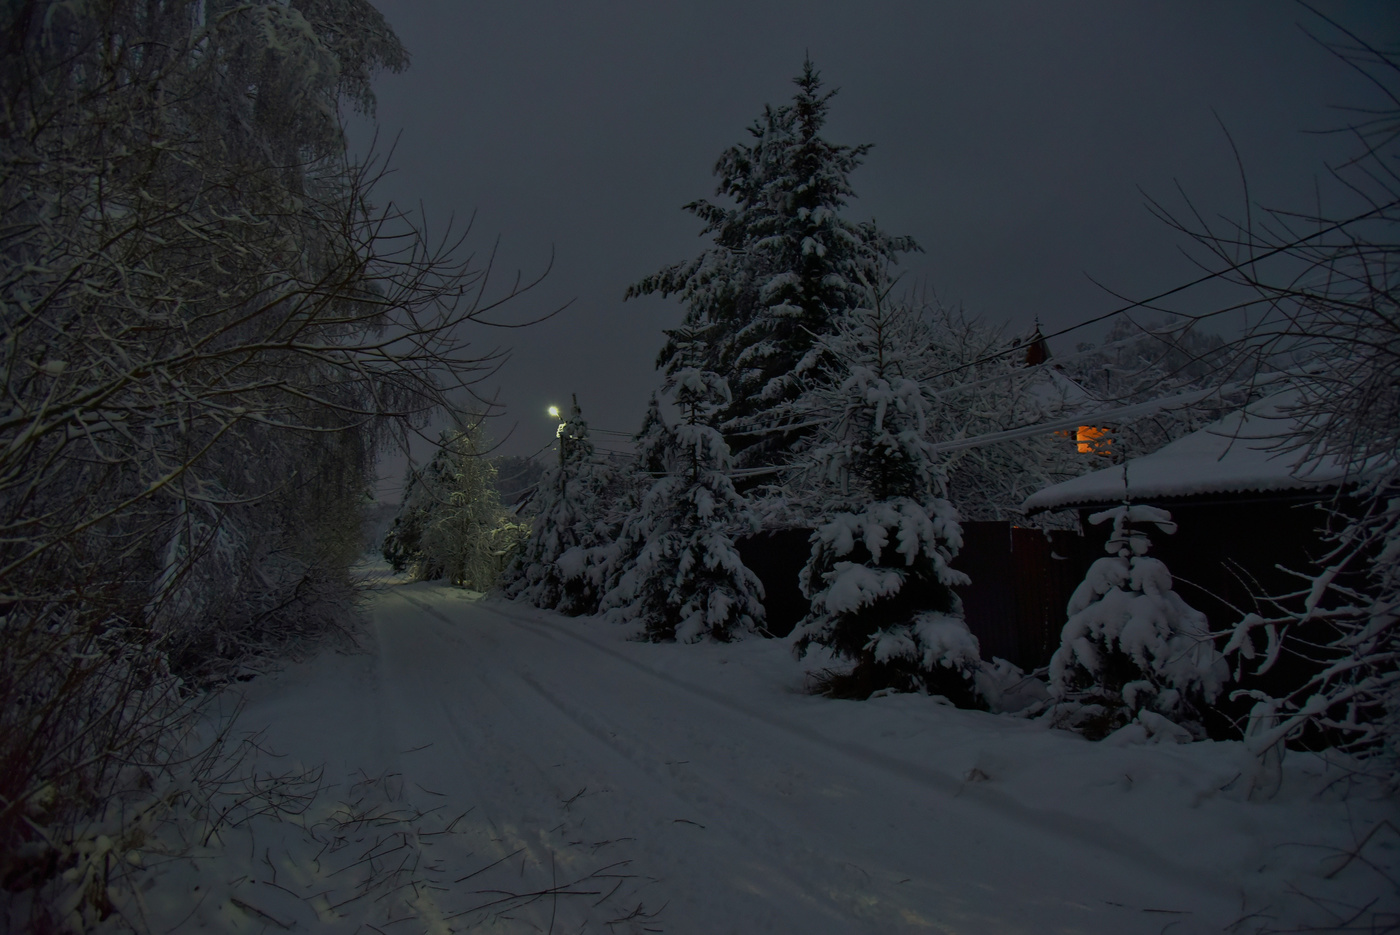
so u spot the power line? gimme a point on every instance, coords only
(1233, 267)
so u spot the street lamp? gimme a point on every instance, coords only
(559, 434)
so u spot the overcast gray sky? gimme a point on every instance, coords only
(1010, 139)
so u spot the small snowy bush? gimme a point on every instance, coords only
(1132, 648)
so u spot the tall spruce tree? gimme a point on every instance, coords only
(783, 264)
(879, 574)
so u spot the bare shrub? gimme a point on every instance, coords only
(1322, 291)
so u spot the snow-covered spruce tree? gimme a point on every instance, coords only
(783, 264)
(879, 576)
(451, 524)
(551, 570)
(651, 440)
(610, 561)
(403, 540)
(687, 581)
(1132, 649)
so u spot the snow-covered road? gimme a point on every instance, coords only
(697, 789)
(754, 817)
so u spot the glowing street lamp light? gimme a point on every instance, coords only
(559, 432)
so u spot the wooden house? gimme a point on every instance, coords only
(1250, 508)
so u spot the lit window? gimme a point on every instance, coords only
(1094, 440)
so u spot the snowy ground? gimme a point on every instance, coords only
(485, 766)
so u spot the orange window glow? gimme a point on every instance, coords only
(1093, 440)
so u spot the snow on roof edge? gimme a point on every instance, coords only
(1245, 452)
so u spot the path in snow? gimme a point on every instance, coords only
(751, 822)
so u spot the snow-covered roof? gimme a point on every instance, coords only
(1246, 451)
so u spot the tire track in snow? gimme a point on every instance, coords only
(648, 800)
(721, 813)
(786, 864)
(1036, 853)
(635, 751)
(1097, 836)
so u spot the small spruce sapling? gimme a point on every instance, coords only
(1132, 649)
